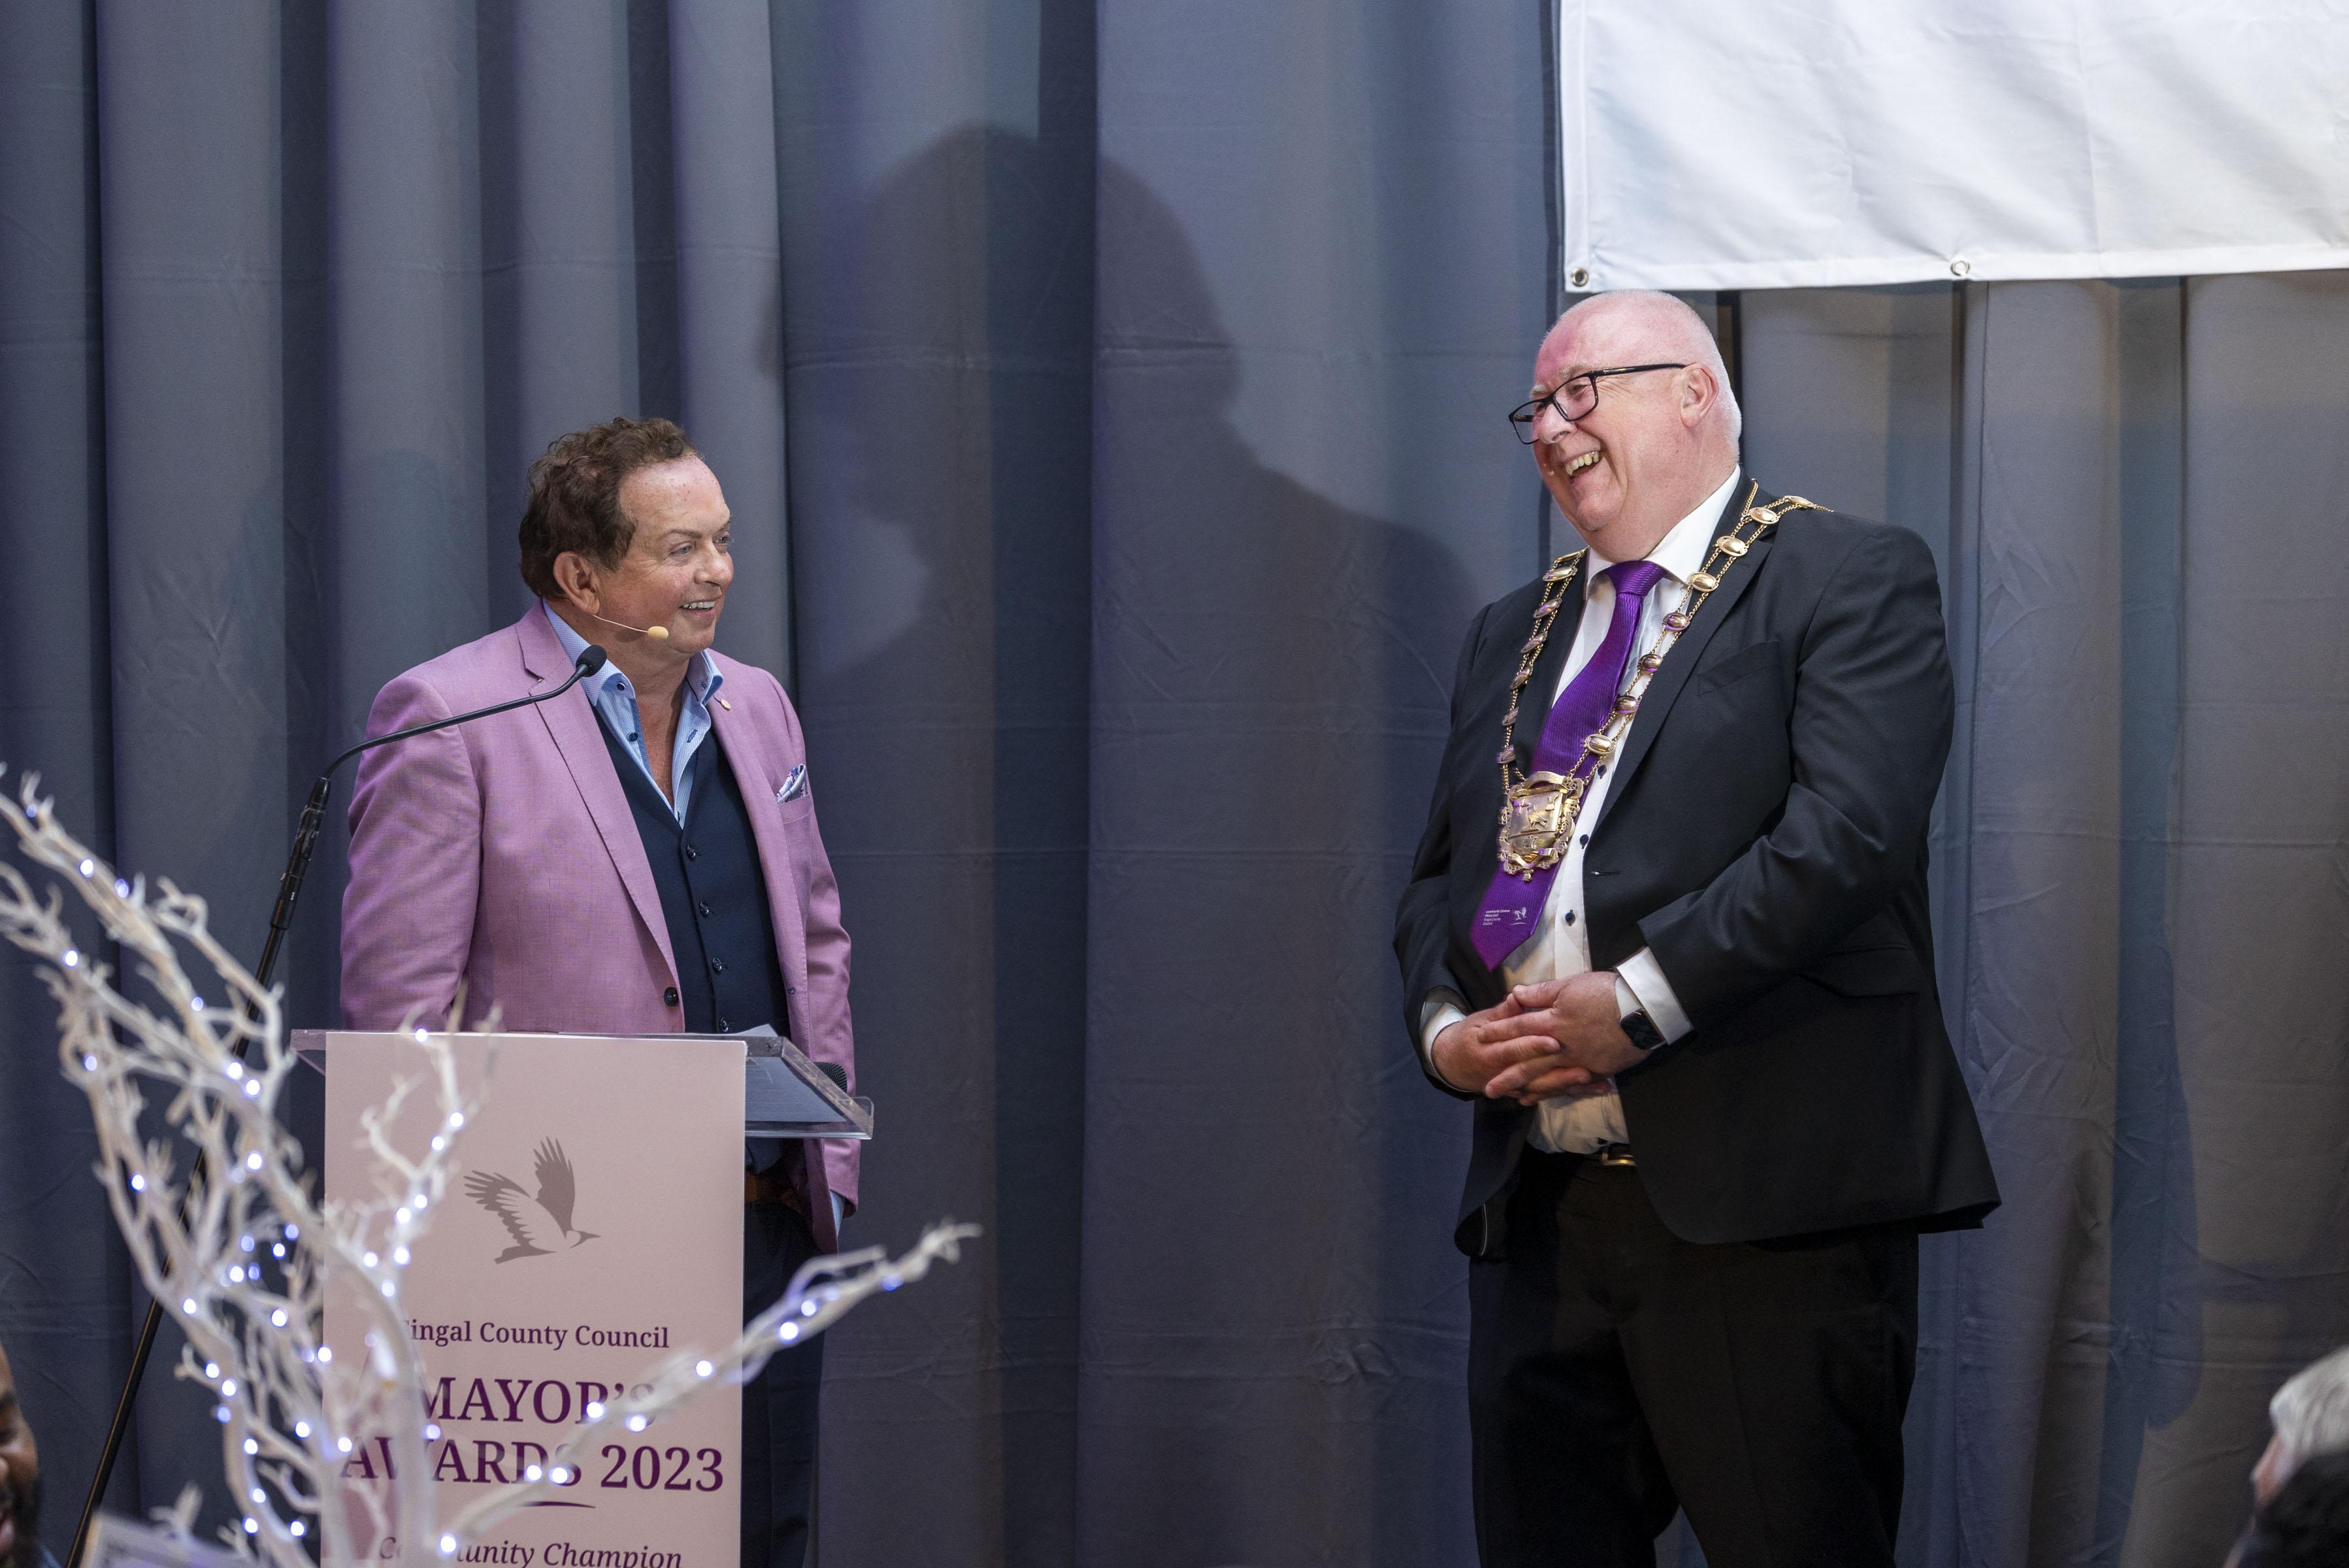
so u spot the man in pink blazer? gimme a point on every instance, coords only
(638, 856)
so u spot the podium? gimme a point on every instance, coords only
(593, 1229)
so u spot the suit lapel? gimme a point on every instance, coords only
(1541, 691)
(1656, 703)
(571, 723)
(746, 754)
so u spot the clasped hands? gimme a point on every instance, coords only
(1551, 1038)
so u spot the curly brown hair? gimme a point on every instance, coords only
(575, 494)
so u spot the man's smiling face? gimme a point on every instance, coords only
(20, 1480)
(1632, 454)
(678, 564)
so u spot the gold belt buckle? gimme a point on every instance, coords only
(1615, 1154)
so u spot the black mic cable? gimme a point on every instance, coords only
(281, 919)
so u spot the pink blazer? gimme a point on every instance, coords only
(500, 855)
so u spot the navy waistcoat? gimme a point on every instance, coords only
(712, 894)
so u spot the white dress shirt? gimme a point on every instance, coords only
(1560, 944)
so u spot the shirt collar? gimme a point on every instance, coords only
(1681, 552)
(703, 676)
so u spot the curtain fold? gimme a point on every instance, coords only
(1110, 399)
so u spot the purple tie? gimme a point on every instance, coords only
(1512, 905)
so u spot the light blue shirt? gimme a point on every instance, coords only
(616, 699)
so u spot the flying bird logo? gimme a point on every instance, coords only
(547, 1228)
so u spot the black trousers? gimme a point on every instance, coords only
(780, 1404)
(1617, 1373)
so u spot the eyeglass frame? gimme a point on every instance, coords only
(1527, 415)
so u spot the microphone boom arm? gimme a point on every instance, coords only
(314, 811)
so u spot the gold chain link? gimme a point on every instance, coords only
(1727, 549)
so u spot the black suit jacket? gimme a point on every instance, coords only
(1765, 835)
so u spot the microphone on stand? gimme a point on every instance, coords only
(281, 919)
(313, 813)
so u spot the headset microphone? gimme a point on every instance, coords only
(658, 633)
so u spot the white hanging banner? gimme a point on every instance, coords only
(1754, 144)
(596, 1231)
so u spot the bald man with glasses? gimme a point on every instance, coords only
(1667, 933)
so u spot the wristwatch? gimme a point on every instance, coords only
(1641, 1029)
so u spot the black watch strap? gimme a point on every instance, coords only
(1642, 1030)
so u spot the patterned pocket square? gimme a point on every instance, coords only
(794, 786)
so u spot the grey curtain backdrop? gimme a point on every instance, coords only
(1110, 397)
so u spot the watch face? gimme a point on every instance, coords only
(1641, 1031)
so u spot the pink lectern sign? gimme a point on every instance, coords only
(594, 1229)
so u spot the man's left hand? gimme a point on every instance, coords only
(1579, 1013)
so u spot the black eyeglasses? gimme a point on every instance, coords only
(1573, 398)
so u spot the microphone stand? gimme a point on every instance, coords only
(281, 920)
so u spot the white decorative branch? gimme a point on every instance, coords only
(242, 1250)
